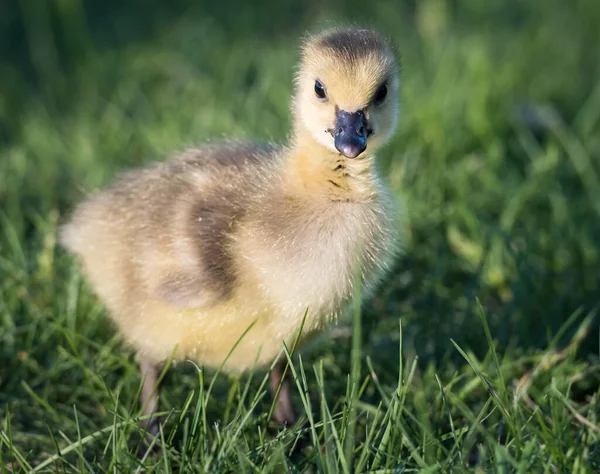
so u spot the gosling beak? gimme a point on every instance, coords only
(350, 133)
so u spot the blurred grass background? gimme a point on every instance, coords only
(497, 153)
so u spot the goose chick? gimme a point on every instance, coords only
(191, 253)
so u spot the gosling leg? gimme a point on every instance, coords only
(284, 413)
(149, 398)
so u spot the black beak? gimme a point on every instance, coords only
(350, 133)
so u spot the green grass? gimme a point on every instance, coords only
(479, 353)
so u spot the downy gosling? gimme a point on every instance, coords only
(190, 253)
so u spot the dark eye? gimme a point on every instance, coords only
(380, 94)
(319, 90)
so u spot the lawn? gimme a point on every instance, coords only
(480, 353)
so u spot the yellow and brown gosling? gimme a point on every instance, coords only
(187, 254)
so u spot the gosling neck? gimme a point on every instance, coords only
(313, 167)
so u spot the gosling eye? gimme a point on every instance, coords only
(380, 94)
(320, 90)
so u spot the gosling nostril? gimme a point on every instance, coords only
(360, 129)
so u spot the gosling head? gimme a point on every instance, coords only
(347, 91)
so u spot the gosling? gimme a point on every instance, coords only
(244, 239)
